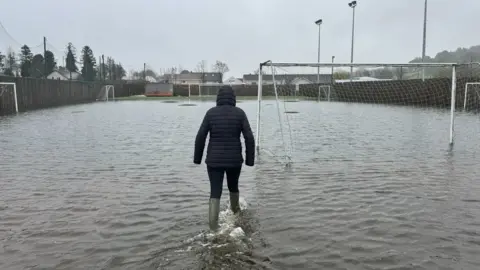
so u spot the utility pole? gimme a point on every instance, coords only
(333, 60)
(145, 71)
(103, 66)
(45, 57)
(99, 68)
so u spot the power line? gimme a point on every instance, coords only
(15, 41)
(51, 48)
(60, 54)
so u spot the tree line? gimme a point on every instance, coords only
(26, 64)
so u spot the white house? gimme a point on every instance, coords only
(61, 74)
(150, 79)
(361, 79)
(290, 79)
(234, 81)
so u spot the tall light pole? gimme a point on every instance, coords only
(333, 60)
(319, 23)
(424, 44)
(352, 4)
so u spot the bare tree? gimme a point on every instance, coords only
(221, 68)
(202, 69)
(171, 75)
(257, 71)
(180, 69)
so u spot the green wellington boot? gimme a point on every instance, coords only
(235, 202)
(213, 211)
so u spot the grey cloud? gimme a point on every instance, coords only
(167, 33)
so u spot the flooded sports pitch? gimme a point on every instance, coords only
(113, 186)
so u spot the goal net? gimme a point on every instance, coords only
(107, 92)
(8, 98)
(208, 91)
(471, 97)
(299, 102)
(199, 91)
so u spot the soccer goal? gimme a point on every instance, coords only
(107, 92)
(332, 97)
(208, 91)
(324, 90)
(472, 96)
(8, 96)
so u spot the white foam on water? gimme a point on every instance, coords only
(227, 229)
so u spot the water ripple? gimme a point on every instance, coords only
(113, 187)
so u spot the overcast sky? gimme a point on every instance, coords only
(242, 33)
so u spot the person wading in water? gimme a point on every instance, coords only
(225, 122)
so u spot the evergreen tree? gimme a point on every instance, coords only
(120, 71)
(38, 69)
(2, 63)
(71, 61)
(101, 69)
(89, 71)
(26, 57)
(10, 63)
(50, 63)
(110, 68)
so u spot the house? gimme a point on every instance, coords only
(234, 81)
(63, 74)
(361, 79)
(292, 79)
(187, 77)
(150, 79)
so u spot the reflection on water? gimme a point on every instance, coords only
(112, 186)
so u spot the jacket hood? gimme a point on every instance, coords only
(226, 96)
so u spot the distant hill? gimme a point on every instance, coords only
(461, 55)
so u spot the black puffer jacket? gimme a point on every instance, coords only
(225, 122)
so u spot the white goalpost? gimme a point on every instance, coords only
(10, 88)
(326, 90)
(373, 83)
(208, 90)
(105, 91)
(476, 93)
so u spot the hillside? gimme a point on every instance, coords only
(461, 55)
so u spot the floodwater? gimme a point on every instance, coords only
(112, 186)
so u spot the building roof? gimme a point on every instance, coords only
(194, 76)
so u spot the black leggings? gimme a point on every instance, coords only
(216, 180)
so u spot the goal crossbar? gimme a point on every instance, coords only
(14, 93)
(269, 63)
(274, 64)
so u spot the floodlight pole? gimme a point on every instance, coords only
(352, 4)
(319, 23)
(424, 43)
